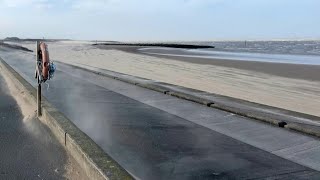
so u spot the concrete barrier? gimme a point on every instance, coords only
(91, 158)
(271, 115)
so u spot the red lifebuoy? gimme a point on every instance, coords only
(45, 60)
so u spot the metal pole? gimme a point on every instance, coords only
(39, 99)
(39, 83)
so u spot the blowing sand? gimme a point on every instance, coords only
(71, 169)
(28, 111)
(288, 93)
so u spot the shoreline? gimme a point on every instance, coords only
(294, 71)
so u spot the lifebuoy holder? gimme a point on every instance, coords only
(44, 69)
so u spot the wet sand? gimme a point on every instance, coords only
(295, 71)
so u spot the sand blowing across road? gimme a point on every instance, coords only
(288, 93)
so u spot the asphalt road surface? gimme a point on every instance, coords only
(154, 136)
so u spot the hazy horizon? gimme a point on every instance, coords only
(166, 20)
(213, 40)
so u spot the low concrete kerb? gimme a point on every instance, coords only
(91, 158)
(264, 113)
(271, 115)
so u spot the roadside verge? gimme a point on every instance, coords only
(91, 158)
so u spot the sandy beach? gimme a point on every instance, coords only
(292, 87)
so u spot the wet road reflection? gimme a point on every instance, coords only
(151, 143)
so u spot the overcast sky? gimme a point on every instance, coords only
(151, 20)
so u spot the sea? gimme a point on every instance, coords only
(292, 52)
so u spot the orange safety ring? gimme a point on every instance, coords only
(45, 60)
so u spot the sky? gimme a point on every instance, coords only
(161, 20)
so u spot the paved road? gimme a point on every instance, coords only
(153, 141)
(27, 149)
